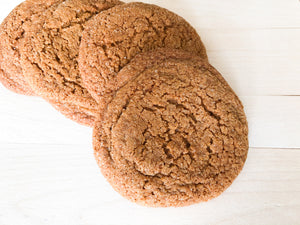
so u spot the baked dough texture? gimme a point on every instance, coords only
(174, 135)
(114, 37)
(51, 50)
(12, 32)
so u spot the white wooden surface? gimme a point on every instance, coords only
(48, 174)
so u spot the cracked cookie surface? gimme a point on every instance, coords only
(112, 38)
(12, 32)
(174, 135)
(51, 50)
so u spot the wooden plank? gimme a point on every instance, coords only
(26, 119)
(274, 121)
(254, 44)
(61, 184)
(220, 14)
(257, 62)
(256, 58)
(48, 174)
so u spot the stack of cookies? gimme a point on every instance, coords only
(168, 129)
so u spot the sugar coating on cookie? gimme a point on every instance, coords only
(12, 32)
(112, 38)
(174, 135)
(51, 50)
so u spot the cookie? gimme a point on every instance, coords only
(49, 56)
(12, 33)
(81, 115)
(112, 38)
(174, 135)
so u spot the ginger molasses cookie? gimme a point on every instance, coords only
(12, 33)
(174, 135)
(50, 53)
(112, 38)
(76, 113)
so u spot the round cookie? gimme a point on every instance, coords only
(174, 135)
(49, 56)
(112, 38)
(12, 32)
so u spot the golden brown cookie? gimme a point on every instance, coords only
(174, 135)
(12, 32)
(112, 38)
(50, 54)
(81, 115)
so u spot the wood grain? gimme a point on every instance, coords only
(31, 120)
(61, 184)
(48, 174)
